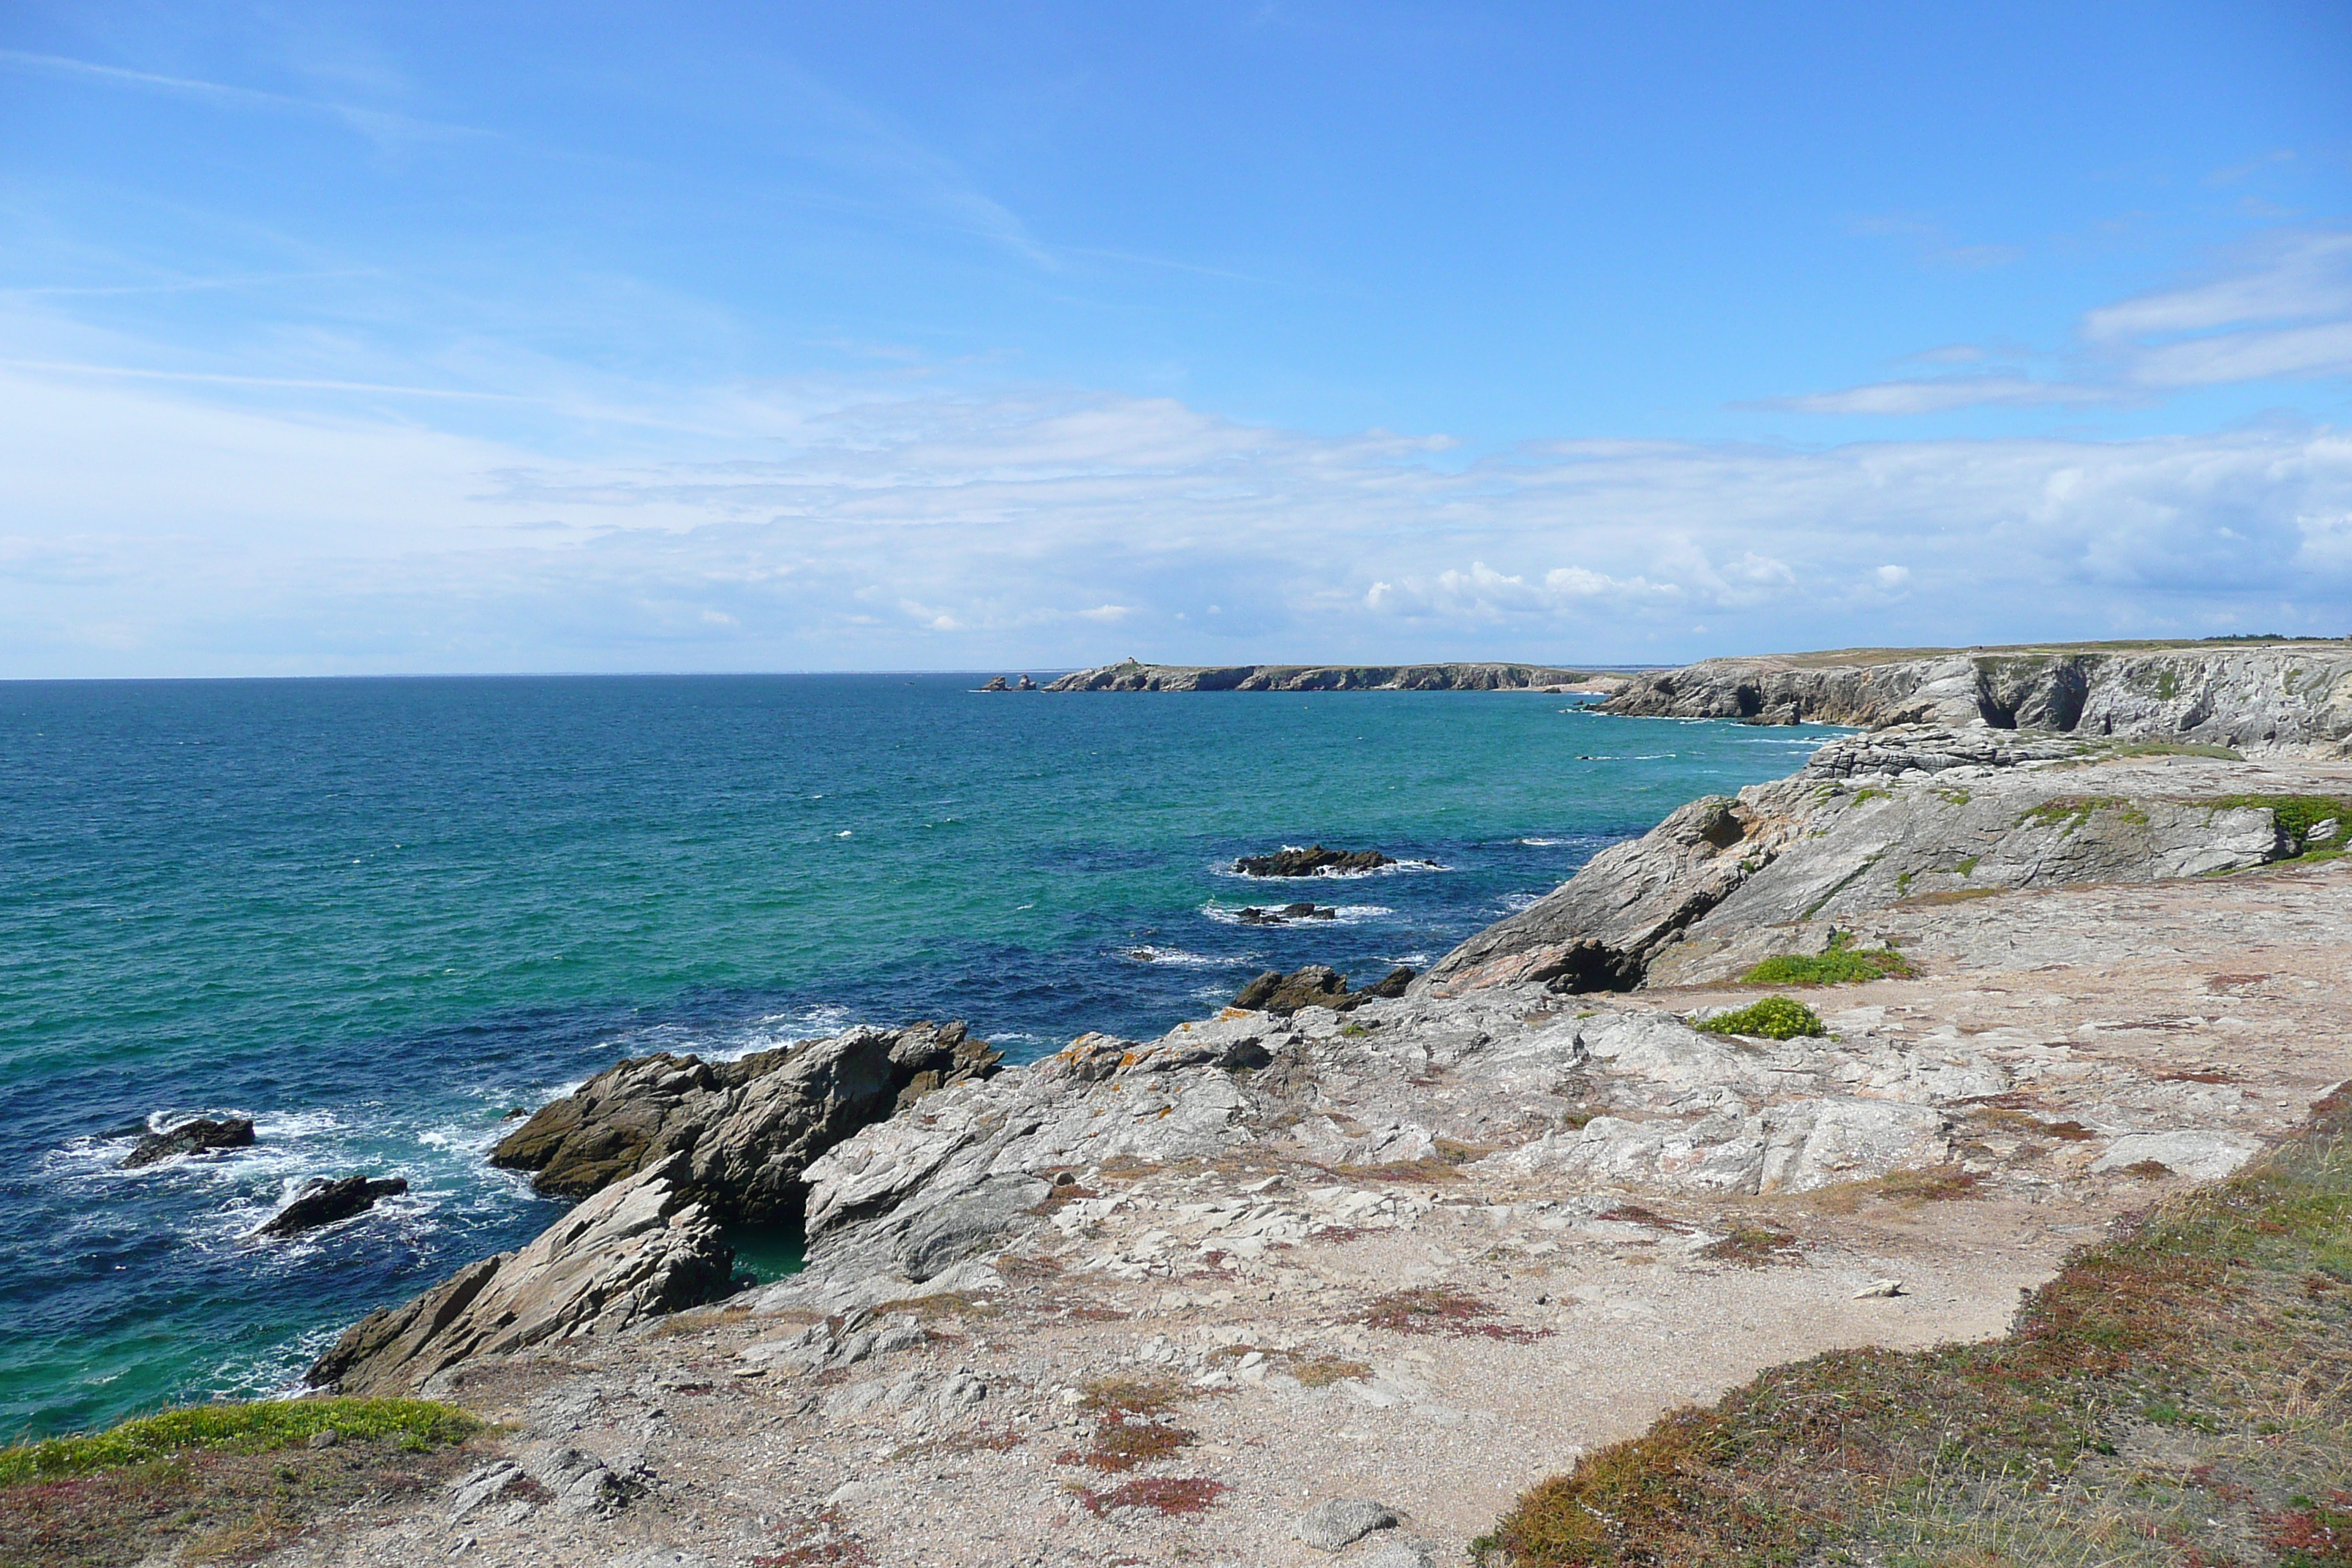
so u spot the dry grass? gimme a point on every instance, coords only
(1438, 1310)
(1314, 1371)
(2180, 1396)
(1424, 1172)
(819, 1539)
(1161, 1495)
(1756, 1246)
(1133, 1428)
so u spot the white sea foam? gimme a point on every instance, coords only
(1342, 914)
(1176, 958)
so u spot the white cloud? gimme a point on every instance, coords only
(1031, 527)
(1942, 394)
(2290, 351)
(2295, 276)
(2233, 327)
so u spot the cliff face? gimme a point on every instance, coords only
(2258, 698)
(1877, 819)
(1131, 675)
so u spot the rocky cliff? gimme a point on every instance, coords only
(1913, 812)
(748, 1128)
(2257, 696)
(635, 1250)
(1131, 675)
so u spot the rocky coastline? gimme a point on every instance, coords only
(1133, 674)
(1389, 1256)
(2246, 696)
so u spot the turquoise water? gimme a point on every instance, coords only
(375, 914)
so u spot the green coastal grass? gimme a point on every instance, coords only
(1773, 1019)
(1842, 963)
(2180, 1396)
(256, 1428)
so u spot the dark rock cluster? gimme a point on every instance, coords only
(201, 1136)
(322, 1200)
(750, 1127)
(1313, 861)
(1316, 985)
(1254, 916)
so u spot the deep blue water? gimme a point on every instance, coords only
(374, 914)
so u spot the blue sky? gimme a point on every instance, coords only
(344, 339)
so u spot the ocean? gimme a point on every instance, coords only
(375, 914)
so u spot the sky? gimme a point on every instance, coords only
(351, 339)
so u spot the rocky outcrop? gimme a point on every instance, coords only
(1312, 861)
(201, 1136)
(1316, 985)
(1903, 814)
(324, 1201)
(2254, 697)
(748, 1128)
(1133, 674)
(905, 1202)
(1254, 916)
(638, 1248)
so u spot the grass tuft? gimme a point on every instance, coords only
(1773, 1019)
(1841, 965)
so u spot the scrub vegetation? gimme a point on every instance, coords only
(2178, 1395)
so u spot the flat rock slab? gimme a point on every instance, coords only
(1339, 1523)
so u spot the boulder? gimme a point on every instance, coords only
(1336, 1525)
(641, 1248)
(323, 1202)
(996, 683)
(1316, 985)
(1312, 861)
(201, 1136)
(750, 1127)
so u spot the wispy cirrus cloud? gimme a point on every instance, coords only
(381, 125)
(2282, 310)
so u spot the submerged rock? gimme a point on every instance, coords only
(322, 1200)
(201, 1136)
(1312, 861)
(750, 1127)
(638, 1248)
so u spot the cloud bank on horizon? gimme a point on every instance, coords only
(424, 339)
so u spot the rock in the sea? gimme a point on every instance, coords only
(1336, 1525)
(1312, 861)
(322, 1200)
(751, 1127)
(638, 1248)
(201, 1136)
(996, 683)
(1316, 985)
(1254, 916)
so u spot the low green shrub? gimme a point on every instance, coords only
(1841, 965)
(253, 1427)
(1773, 1019)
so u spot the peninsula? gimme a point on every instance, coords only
(1832, 1068)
